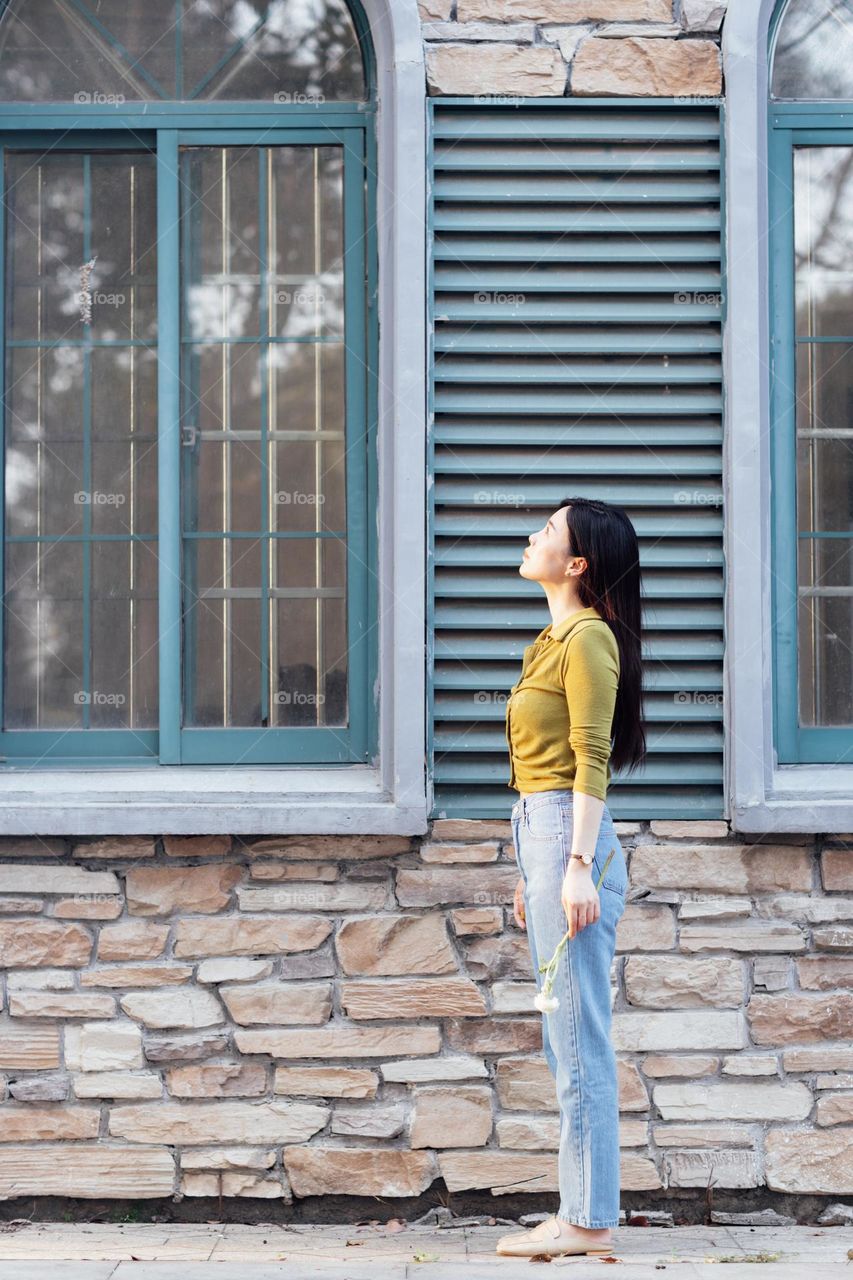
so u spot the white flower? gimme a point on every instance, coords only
(545, 1004)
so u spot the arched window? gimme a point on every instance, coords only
(811, 409)
(188, 382)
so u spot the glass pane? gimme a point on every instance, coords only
(264, 436)
(80, 441)
(825, 616)
(813, 54)
(823, 240)
(114, 51)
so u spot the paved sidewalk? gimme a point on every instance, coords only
(59, 1251)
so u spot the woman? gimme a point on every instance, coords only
(576, 710)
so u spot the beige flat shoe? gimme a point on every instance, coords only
(549, 1237)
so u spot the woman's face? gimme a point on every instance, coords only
(546, 557)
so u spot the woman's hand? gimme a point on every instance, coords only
(580, 898)
(518, 905)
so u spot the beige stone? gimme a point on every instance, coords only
(137, 975)
(197, 846)
(490, 959)
(380, 1171)
(233, 969)
(806, 908)
(163, 891)
(715, 908)
(419, 998)
(314, 895)
(21, 906)
(279, 1003)
(32, 847)
(800, 1019)
(23, 877)
(434, 10)
(505, 70)
(370, 1122)
(703, 828)
(96, 907)
(339, 1041)
(730, 1101)
(232, 1184)
(227, 1158)
(528, 1133)
(717, 1168)
(21, 1123)
(30, 943)
(809, 1162)
(525, 1084)
(247, 936)
(456, 1066)
(60, 1004)
(638, 1173)
(825, 973)
(703, 1135)
(458, 1117)
(834, 938)
(720, 868)
(326, 1082)
(676, 982)
(565, 10)
(633, 1095)
(834, 1108)
(103, 1046)
(132, 940)
(771, 973)
(442, 886)
(205, 1122)
(751, 936)
(190, 1007)
(633, 1133)
(681, 1029)
(395, 944)
(184, 1048)
(218, 1080)
(823, 1057)
(323, 871)
(116, 847)
(473, 829)
(513, 997)
(476, 921)
(331, 848)
(491, 1037)
(452, 853)
(650, 68)
(118, 1084)
(85, 1172)
(39, 980)
(33, 1048)
(750, 1064)
(677, 1064)
(502, 1171)
(835, 870)
(645, 927)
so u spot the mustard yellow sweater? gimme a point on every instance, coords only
(559, 715)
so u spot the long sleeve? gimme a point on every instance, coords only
(590, 679)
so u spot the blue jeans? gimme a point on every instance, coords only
(576, 1036)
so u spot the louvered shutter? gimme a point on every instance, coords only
(575, 277)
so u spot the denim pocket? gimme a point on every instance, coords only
(545, 822)
(616, 879)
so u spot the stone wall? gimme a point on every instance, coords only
(306, 1016)
(550, 48)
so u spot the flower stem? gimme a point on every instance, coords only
(550, 969)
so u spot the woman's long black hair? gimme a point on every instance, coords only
(605, 537)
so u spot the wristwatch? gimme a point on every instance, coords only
(585, 858)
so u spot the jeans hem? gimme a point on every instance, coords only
(589, 1224)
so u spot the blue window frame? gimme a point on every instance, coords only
(810, 183)
(188, 387)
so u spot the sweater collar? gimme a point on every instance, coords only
(562, 629)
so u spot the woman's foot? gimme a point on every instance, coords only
(553, 1237)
